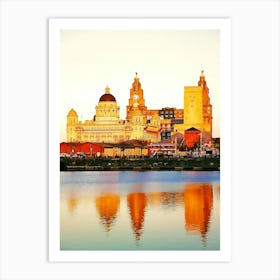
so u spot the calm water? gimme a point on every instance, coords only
(154, 210)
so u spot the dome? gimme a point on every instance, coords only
(107, 96)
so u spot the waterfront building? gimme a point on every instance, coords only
(166, 128)
(178, 140)
(192, 138)
(167, 113)
(197, 110)
(178, 114)
(105, 126)
(125, 151)
(141, 123)
(152, 132)
(90, 149)
(163, 148)
(137, 123)
(136, 102)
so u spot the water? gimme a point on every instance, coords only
(152, 210)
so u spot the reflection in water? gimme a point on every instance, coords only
(171, 199)
(107, 207)
(168, 199)
(72, 203)
(198, 205)
(154, 198)
(180, 215)
(136, 203)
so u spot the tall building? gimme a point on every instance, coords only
(136, 102)
(197, 109)
(151, 125)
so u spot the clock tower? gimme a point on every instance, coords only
(136, 101)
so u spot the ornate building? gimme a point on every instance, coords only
(136, 102)
(105, 126)
(151, 125)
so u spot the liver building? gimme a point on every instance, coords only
(152, 125)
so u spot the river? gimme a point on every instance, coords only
(130, 210)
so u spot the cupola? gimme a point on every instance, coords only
(107, 97)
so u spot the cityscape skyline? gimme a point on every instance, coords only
(166, 62)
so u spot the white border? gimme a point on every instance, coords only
(222, 24)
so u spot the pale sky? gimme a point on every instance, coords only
(165, 61)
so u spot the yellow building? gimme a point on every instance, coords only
(129, 151)
(136, 100)
(142, 123)
(152, 132)
(105, 126)
(197, 109)
(138, 123)
(137, 114)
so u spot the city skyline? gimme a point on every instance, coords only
(166, 62)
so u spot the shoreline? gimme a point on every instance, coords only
(140, 164)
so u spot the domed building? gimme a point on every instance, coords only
(105, 126)
(150, 125)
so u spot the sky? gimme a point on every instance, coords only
(166, 62)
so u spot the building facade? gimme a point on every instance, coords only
(197, 109)
(106, 125)
(141, 123)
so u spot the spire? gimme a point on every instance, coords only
(107, 89)
(136, 84)
(202, 81)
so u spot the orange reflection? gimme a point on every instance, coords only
(136, 204)
(107, 206)
(154, 198)
(198, 198)
(72, 203)
(165, 198)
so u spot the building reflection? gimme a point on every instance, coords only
(198, 199)
(154, 198)
(136, 203)
(72, 203)
(107, 207)
(165, 198)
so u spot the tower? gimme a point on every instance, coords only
(137, 123)
(136, 100)
(198, 109)
(72, 122)
(207, 106)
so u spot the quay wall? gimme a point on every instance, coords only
(142, 164)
